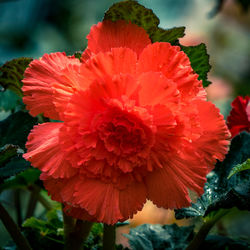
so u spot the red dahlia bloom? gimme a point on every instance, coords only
(239, 118)
(136, 125)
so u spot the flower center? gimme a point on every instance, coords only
(123, 134)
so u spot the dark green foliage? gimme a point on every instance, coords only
(11, 74)
(53, 224)
(14, 166)
(219, 191)
(160, 237)
(9, 101)
(11, 161)
(240, 167)
(168, 35)
(13, 133)
(45, 234)
(217, 242)
(245, 4)
(235, 197)
(94, 240)
(78, 54)
(22, 180)
(7, 152)
(220, 3)
(15, 129)
(145, 18)
(199, 61)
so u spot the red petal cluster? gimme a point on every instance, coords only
(239, 118)
(135, 125)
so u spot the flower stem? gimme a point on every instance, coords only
(109, 237)
(13, 230)
(18, 207)
(32, 202)
(75, 232)
(204, 230)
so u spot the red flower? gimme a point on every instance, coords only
(239, 118)
(136, 125)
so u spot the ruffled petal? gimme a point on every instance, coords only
(53, 186)
(164, 189)
(59, 190)
(175, 65)
(214, 142)
(44, 151)
(78, 213)
(116, 61)
(107, 34)
(48, 81)
(110, 204)
(156, 89)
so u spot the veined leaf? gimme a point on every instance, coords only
(149, 236)
(199, 61)
(136, 13)
(11, 74)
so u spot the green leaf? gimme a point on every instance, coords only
(218, 242)
(11, 161)
(47, 233)
(9, 101)
(7, 152)
(149, 236)
(22, 180)
(52, 225)
(199, 61)
(37, 224)
(220, 192)
(15, 129)
(13, 167)
(95, 238)
(145, 18)
(11, 74)
(240, 167)
(168, 35)
(235, 197)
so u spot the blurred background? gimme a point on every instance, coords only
(31, 28)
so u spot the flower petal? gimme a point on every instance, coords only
(56, 70)
(156, 89)
(175, 65)
(116, 61)
(77, 212)
(107, 34)
(110, 204)
(214, 141)
(44, 151)
(165, 190)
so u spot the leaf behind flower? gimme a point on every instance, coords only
(219, 192)
(136, 13)
(11, 74)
